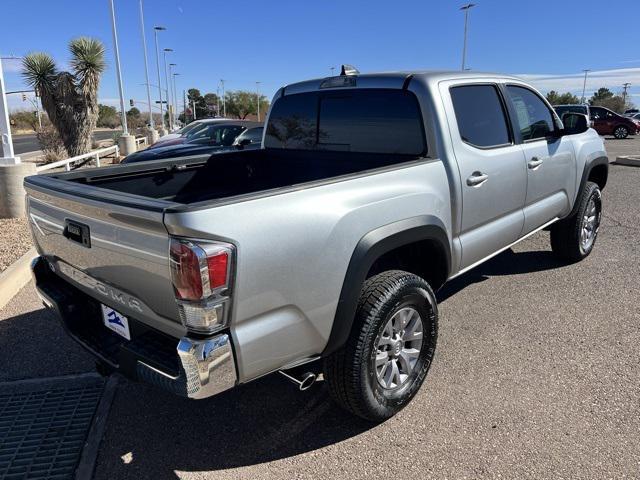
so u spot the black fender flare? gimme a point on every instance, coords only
(589, 166)
(371, 247)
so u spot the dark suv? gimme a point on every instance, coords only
(603, 120)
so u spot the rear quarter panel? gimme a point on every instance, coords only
(293, 250)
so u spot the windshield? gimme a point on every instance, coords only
(365, 120)
(215, 134)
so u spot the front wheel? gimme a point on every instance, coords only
(390, 348)
(573, 238)
(621, 132)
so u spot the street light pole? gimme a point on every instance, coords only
(155, 33)
(466, 9)
(166, 77)
(258, 97)
(172, 95)
(146, 66)
(625, 86)
(6, 144)
(175, 97)
(224, 102)
(584, 84)
(123, 114)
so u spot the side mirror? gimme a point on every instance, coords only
(575, 123)
(244, 142)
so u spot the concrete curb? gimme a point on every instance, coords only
(16, 276)
(629, 160)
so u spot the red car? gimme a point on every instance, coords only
(607, 122)
(603, 120)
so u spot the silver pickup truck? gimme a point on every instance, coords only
(319, 252)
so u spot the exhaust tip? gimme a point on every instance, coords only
(307, 380)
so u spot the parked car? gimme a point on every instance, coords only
(326, 244)
(631, 110)
(183, 135)
(249, 139)
(607, 122)
(635, 116)
(578, 108)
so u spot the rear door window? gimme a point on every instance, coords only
(366, 121)
(480, 115)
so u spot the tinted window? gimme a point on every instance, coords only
(370, 121)
(216, 135)
(480, 115)
(534, 119)
(597, 113)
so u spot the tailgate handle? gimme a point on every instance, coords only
(77, 232)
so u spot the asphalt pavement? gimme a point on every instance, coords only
(535, 376)
(29, 143)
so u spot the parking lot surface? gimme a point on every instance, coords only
(535, 376)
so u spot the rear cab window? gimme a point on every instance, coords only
(382, 121)
(480, 115)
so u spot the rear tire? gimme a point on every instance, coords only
(621, 132)
(389, 351)
(573, 238)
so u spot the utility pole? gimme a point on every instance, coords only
(224, 102)
(258, 97)
(584, 85)
(166, 77)
(184, 104)
(172, 95)
(625, 86)
(175, 98)
(466, 9)
(157, 29)
(193, 105)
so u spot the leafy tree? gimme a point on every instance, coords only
(567, 98)
(194, 96)
(107, 117)
(212, 101)
(241, 104)
(606, 98)
(601, 95)
(69, 98)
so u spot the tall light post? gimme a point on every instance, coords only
(126, 142)
(584, 85)
(166, 77)
(153, 135)
(466, 9)
(175, 98)
(6, 144)
(625, 87)
(157, 29)
(224, 102)
(258, 97)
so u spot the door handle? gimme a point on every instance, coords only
(477, 179)
(534, 163)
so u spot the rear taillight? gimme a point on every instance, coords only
(201, 275)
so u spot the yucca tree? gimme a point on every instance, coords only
(69, 98)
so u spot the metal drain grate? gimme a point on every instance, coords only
(44, 425)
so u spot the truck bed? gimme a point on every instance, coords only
(229, 174)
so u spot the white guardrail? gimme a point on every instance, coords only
(95, 154)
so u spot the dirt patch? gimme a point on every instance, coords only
(15, 240)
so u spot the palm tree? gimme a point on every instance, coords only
(69, 98)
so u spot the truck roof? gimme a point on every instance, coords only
(395, 79)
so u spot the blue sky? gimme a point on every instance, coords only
(283, 41)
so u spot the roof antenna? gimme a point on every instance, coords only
(347, 69)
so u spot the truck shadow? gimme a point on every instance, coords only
(152, 434)
(507, 263)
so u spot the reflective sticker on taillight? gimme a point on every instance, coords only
(185, 270)
(217, 265)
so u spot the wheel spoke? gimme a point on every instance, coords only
(381, 358)
(395, 373)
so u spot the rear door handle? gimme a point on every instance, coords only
(477, 178)
(534, 163)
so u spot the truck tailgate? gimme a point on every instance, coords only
(115, 252)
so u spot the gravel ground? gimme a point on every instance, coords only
(535, 376)
(15, 240)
